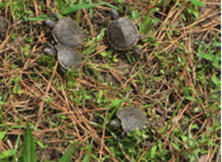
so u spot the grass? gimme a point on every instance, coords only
(176, 82)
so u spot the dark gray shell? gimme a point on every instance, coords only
(68, 32)
(131, 118)
(68, 57)
(122, 33)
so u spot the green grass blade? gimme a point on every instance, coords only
(60, 4)
(16, 147)
(29, 154)
(2, 134)
(174, 114)
(39, 18)
(12, 152)
(90, 10)
(115, 104)
(67, 156)
(153, 151)
(73, 8)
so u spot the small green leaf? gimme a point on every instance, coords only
(215, 80)
(195, 13)
(16, 90)
(217, 60)
(115, 103)
(194, 126)
(175, 146)
(197, 3)
(2, 134)
(67, 156)
(216, 44)
(153, 151)
(190, 98)
(48, 100)
(147, 24)
(183, 17)
(184, 138)
(207, 56)
(153, 10)
(86, 158)
(99, 97)
(103, 53)
(41, 144)
(216, 64)
(6, 154)
(29, 154)
(2, 103)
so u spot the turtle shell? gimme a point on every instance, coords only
(131, 118)
(68, 32)
(122, 34)
(4, 23)
(68, 57)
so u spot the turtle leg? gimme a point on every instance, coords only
(113, 49)
(61, 71)
(137, 51)
(49, 22)
(122, 135)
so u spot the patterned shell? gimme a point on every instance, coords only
(122, 34)
(68, 32)
(68, 57)
(131, 118)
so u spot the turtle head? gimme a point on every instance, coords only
(115, 124)
(114, 14)
(49, 49)
(124, 11)
(49, 22)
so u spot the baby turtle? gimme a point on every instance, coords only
(129, 118)
(67, 56)
(4, 24)
(122, 33)
(65, 31)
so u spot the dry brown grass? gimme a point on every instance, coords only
(27, 83)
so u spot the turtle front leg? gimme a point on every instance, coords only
(137, 51)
